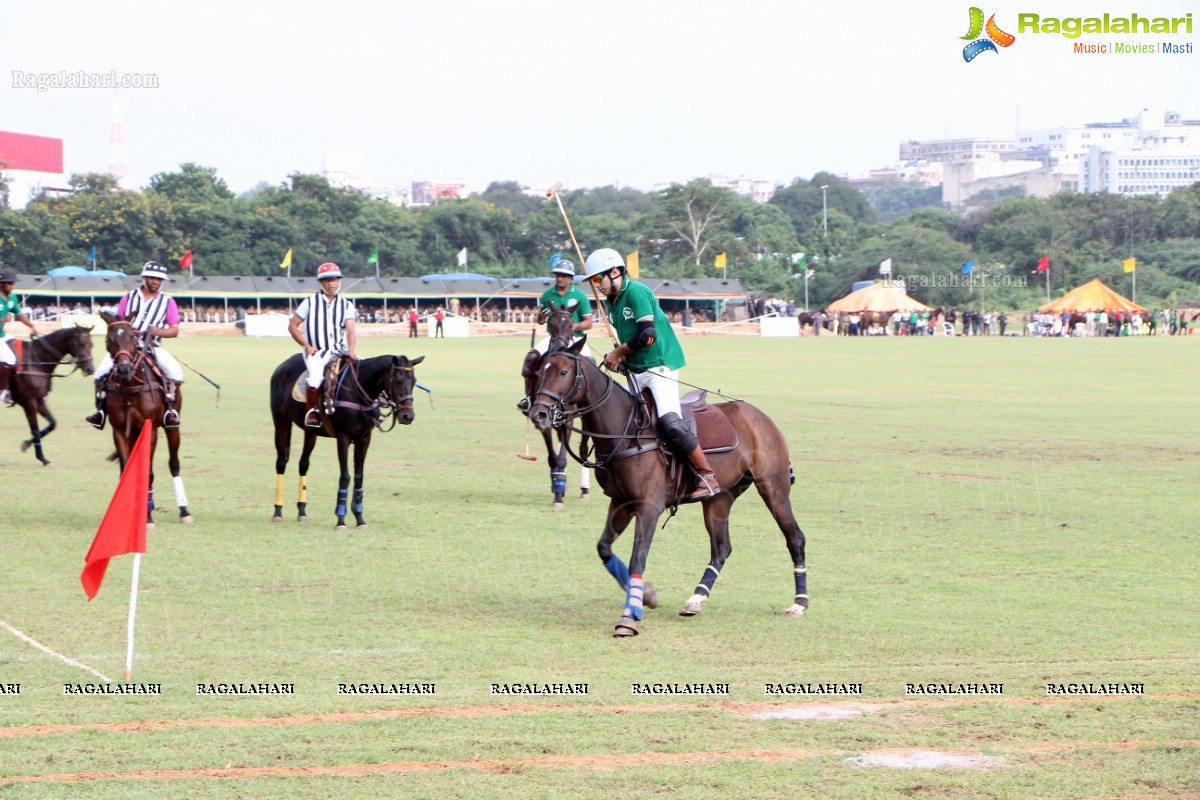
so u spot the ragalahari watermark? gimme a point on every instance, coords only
(81, 79)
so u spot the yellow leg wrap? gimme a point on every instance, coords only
(278, 490)
(303, 489)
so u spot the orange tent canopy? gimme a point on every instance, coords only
(1092, 296)
(877, 297)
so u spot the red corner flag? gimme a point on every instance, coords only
(123, 529)
(1043, 264)
(186, 261)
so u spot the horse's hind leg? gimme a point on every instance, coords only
(283, 448)
(310, 440)
(716, 520)
(181, 500)
(775, 492)
(343, 448)
(36, 436)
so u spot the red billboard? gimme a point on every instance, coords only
(33, 153)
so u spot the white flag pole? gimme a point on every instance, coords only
(133, 595)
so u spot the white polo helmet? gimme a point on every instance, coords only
(153, 269)
(601, 261)
(561, 266)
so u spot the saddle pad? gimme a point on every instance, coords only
(715, 430)
(18, 348)
(298, 388)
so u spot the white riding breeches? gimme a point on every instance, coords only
(315, 364)
(166, 362)
(7, 356)
(663, 384)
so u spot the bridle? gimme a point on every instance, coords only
(387, 405)
(564, 410)
(126, 355)
(57, 356)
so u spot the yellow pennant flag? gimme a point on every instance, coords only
(287, 260)
(719, 263)
(1130, 264)
(631, 265)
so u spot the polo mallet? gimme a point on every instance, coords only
(525, 455)
(202, 375)
(553, 192)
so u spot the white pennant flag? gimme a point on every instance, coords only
(462, 257)
(885, 267)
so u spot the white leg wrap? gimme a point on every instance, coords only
(585, 478)
(180, 495)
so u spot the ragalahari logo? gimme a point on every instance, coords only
(995, 36)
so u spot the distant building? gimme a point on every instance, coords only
(1150, 154)
(347, 169)
(759, 191)
(30, 164)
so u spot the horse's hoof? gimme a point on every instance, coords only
(649, 596)
(25, 445)
(692, 607)
(585, 495)
(626, 626)
(276, 518)
(796, 610)
(47, 464)
(360, 526)
(557, 505)
(150, 524)
(187, 520)
(302, 518)
(339, 527)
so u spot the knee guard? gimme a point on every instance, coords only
(677, 433)
(529, 368)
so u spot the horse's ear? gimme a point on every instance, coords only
(415, 361)
(107, 316)
(578, 344)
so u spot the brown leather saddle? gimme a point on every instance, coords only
(716, 432)
(333, 374)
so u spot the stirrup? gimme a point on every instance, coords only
(171, 418)
(312, 419)
(706, 486)
(96, 419)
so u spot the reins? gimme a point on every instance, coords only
(564, 415)
(55, 353)
(388, 406)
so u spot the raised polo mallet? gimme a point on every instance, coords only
(553, 192)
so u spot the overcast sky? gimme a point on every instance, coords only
(588, 92)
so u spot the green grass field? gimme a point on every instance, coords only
(1016, 511)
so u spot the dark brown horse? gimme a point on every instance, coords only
(365, 393)
(641, 478)
(560, 324)
(135, 393)
(32, 381)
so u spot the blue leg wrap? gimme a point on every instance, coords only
(341, 503)
(633, 599)
(558, 482)
(801, 573)
(616, 567)
(358, 504)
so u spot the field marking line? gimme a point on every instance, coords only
(340, 717)
(603, 762)
(65, 659)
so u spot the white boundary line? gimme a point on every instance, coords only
(46, 649)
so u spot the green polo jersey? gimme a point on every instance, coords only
(553, 300)
(9, 305)
(635, 302)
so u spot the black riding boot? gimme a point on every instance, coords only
(171, 417)
(6, 371)
(96, 418)
(686, 444)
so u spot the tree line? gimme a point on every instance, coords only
(823, 228)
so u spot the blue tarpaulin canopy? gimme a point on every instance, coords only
(79, 272)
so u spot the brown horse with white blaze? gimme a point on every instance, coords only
(641, 478)
(134, 392)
